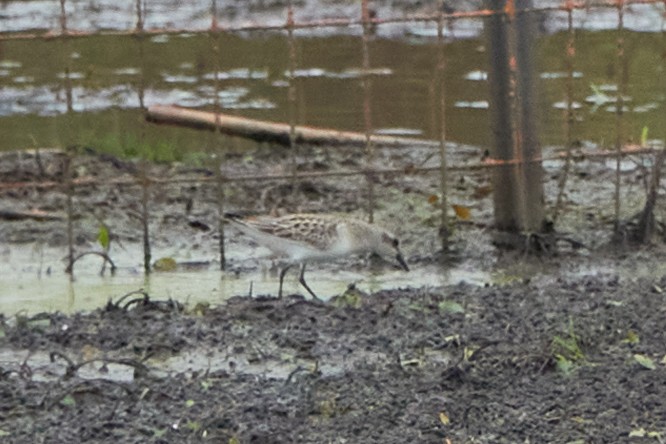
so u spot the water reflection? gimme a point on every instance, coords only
(107, 73)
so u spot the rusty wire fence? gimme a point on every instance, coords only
(367, 22)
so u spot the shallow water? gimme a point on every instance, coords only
(111, 76)
(33, 280)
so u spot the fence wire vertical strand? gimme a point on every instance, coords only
(291, 96)
(63, 17)
(570, 117)
(443, 172)
(142, 58)
(139, 14)
(144, 179)
(619, 112)
(145, 217)
(663, 63)
(220, 203)
(367, 111)
(217, 136)
(69, 192)
(65, 51)
(512, 109)
(69, 152)
(516, 121)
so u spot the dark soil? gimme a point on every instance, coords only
(546, 360)
(455, 364)
(574, 359)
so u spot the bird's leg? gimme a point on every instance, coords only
(282, 273)
(301, 279)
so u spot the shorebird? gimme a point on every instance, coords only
(303, 238)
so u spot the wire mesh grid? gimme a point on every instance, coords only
(367, 22)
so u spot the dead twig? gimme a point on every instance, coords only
(115, 305)
(87, 386)
(73, 368)
(103, 255)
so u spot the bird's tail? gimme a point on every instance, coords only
(229, 216)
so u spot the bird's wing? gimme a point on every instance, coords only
(317, 232)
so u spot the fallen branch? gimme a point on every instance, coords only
(38, 215)
(263, 131)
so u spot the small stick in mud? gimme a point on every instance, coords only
(70, 267)
(141, 291)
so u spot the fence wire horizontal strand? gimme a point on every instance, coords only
(490, 163)
(325, 23)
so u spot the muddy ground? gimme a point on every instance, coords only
(578, 361)
(565, 357)
(576, 355)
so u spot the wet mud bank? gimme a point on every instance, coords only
(581, 360)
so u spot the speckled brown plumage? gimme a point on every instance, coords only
(302, 238)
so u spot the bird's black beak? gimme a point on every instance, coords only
(401, 261)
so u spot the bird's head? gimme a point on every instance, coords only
(389, 246)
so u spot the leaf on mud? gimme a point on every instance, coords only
(468, 352)
(89, 352)
(234, 440)
(2, 333)
(644, 136)
(433, 199)
(193, 425)
(165, 264)
(638, 433)
(580, 420)
(463, 212)
(452, 339)
(4, 433)
(189, 403)
(632, 338)
(482, 191)
(352, 297)
(327, 408)
(414, 362)
(645, 361)
(663, 360)
(642, 433)
(39, 324)
(68, 401)
(451, 307)
(103, 236)
(201, 308)
(563, 365)
(444, 418)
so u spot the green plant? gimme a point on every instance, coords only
(566, 350)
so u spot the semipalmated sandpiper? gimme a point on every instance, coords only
(302, 238)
